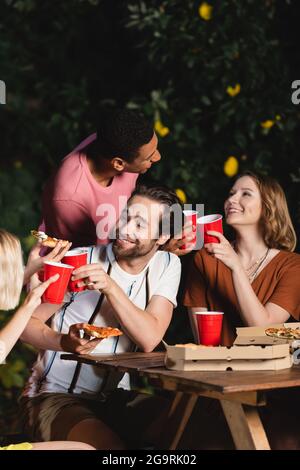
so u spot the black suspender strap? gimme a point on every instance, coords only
(92, 318)
(94, 314)
(147, 289)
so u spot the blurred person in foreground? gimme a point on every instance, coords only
(12, 279)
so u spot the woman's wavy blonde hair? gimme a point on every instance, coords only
(11, 270)
(276, 224)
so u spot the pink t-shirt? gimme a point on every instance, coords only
(77, 208)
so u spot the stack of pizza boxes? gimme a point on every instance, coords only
(252, 350)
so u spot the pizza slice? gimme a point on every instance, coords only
(101, 332)
(287, 333)
(271, 332)
(51, 242)
(297, 333)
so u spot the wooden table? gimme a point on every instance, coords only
(240, 393)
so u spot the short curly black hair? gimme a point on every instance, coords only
(120, 133)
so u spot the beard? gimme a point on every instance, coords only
(134, 250)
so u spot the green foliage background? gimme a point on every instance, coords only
(62, 62)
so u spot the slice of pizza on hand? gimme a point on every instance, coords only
(51, 242)
(101, 332)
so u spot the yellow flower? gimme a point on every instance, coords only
(205, 11)
(160, 128)
(181, 195)
(233, 91)
(231, 166)
(164, 131)
(267, 124)
(278, 117)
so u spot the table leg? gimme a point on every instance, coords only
(179, 414)
(245, 426)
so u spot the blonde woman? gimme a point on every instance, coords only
(254, 280)
(11, 283)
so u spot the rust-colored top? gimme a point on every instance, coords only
(210, 285)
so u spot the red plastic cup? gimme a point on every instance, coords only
(54, 294)
(210, 222)
(190, 216)
(209, 327)
(75, 258)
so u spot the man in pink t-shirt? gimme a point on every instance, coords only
(83, 200)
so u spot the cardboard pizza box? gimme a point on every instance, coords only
(252, 350)
(258, 340)
(260, 330)
(195, 352)
(223, 365)
(191, 357)
(256, 335)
